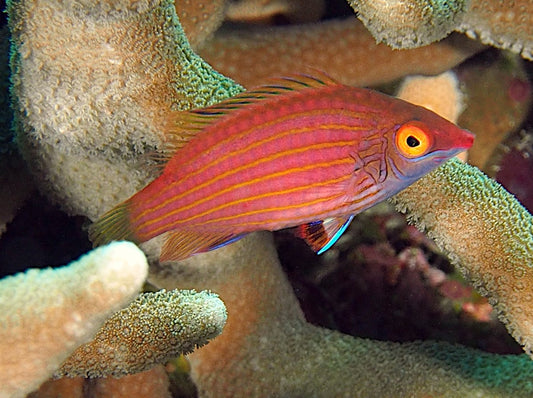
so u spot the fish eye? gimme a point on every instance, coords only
(412, 140)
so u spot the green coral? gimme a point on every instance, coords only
(78, 122)
(409, 24)
(153, 329)
(485, 231)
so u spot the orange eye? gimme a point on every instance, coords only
(412, 141)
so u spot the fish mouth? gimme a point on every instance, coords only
(442, 156)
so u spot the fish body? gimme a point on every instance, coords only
(306, 153)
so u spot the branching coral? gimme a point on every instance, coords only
(486, 232)
(495, 251)
(504, 24)
(152, 383)
(85, 99)
(200, 19)
(47, 313)
(153, 329)
(347, 52)
(408, 24)
(91, 83)
(262, 11)
(268, 349)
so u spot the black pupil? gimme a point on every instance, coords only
(412, 141)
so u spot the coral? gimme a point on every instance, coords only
(408, 24)
(504, 24)
(498, 93)
(485, 232)
(153, 329)
(200, 19)
(91, 83)
(85, 99)
(261, 11)
(152, 383)
(495, 252)
(47, 313)
(268, 349)
(246, 54)
(439, 93)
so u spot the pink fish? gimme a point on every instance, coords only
(302, 152)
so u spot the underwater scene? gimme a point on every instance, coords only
(266, 198)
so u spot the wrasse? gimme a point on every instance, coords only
(303, 152)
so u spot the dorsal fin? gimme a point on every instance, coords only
(182, 126)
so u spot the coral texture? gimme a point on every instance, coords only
(85, 99)
(246, 54)
(439, 93)
(268, 349)
(47, 313)
(408, 24)
(153, 329)
(504, 24)
(200, 19)
(91, 82)
(485, 231)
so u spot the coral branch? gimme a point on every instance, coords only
(413, 23)
(503, 24)
(153, 329)
(409, 24)
(47, 313)
(91, 83)
(347, 52)
(485, 231)
(268, 349)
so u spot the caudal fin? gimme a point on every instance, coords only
(113, 225)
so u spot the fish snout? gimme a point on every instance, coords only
(468, 139)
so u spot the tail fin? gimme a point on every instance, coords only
(113, 225)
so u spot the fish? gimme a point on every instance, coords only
(303, 153)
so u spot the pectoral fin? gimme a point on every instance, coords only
(321, 235)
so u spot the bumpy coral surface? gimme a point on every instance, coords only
(485, 232)
(413, 23)
(408, 24)
(91, 83)
(153, 329)
(85, 99)
(346, 51)
(47, 313)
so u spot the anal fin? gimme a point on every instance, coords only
(182, 244)
(321, 235)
